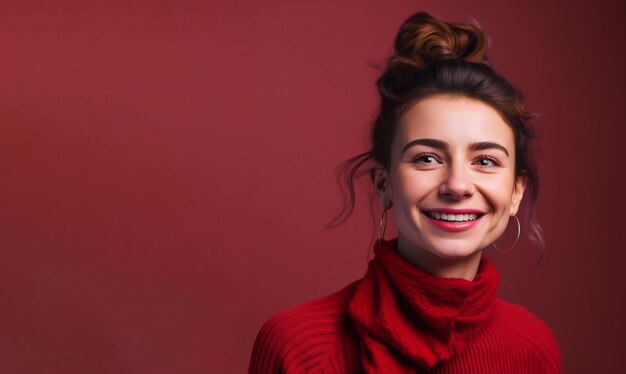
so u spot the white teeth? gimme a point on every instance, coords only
(453, 217)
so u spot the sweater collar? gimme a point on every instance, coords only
(406, 317)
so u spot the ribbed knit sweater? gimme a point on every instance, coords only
(399, 319)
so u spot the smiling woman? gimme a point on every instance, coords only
(451, 160)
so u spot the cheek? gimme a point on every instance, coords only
(410, 186)
(499, 194)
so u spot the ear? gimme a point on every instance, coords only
(382, 186)
(518, 193)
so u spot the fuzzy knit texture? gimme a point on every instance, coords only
(400, 319)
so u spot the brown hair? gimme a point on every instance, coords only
(432, 58)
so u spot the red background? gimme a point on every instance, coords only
(167, 171)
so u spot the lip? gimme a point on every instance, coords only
(454, 211)
(454, 226)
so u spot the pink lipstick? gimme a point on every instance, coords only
(454, 220)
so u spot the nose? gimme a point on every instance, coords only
(456, 184)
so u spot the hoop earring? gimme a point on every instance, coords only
(382, 226)
(519, 231)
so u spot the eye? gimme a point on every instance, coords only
(425, 159)
(487, 162)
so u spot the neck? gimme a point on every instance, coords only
(455, 267)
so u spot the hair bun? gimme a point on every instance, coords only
(423, 38)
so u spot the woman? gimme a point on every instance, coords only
(450, 159)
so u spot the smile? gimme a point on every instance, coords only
(451, 217)
(454, 221)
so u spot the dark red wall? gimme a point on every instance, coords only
(167, 171)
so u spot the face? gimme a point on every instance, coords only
(451, 178)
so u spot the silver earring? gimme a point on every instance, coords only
(382, 226)
(519, 231)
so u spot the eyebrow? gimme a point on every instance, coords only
(432, 143)
(440, 144)
(487, 145)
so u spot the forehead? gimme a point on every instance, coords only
(456, 120)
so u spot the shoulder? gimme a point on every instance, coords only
(530, 334)
(302, 334)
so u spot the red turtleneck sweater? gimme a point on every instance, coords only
(399, 319)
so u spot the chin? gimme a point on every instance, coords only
(452, 250)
